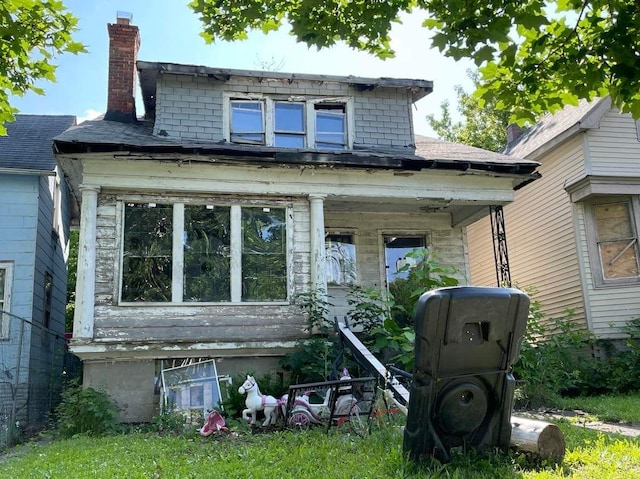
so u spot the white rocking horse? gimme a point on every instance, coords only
(256, 401)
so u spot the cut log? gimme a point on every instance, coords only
(541, 438)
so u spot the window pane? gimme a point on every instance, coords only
(619, 259)
(617, 241)
(341, 260)
(289, 141)
(289, 117)
(264, 258)
(330, 121)
(246, 117)
(613, 221)
(2, 281)
(247, 123)
(330, 127)
(146, 263)
(206, 253)
(395, 252)
(254, 138)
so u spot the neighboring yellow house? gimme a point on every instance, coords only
(573, 235)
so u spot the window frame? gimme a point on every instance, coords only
(262, 132)
(269, 103)
(5, 319)
(597, 271)
(353, 236)
(177, 280)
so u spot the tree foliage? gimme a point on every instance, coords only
(534, 56)
(32, 34)
(482, 126)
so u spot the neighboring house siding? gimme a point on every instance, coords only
(46, 339)
(614, 149)
(192, 108)
(188, 322)
(540, 238)
(18, 209)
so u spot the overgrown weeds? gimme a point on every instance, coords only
(85, 411)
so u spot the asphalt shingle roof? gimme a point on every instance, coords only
(553, 126)
(29, 141)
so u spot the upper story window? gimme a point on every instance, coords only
(331, 126)
(6, 279)
(315, 124)
(247, 122)
(613, 229)
(203, 253)
(289, 127)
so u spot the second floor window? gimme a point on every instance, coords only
(314, 124)
(331, 126)
(289, 128)
(247, 122)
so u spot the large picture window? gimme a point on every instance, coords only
(147, 256)
(185, 253)
(207, 253)
(615, 253)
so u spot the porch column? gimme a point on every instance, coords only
(86, 276)
(318, 256)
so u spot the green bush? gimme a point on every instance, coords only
(549, 363)
(86, 411)
(618, 368)
(556, 359)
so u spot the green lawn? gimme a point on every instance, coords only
(311, 454)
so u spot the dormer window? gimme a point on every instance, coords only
(289, 128)
(331, 126)
(247, 122)
(322, 124)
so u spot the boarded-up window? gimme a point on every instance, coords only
(617, 240)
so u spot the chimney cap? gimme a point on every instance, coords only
(124, 17)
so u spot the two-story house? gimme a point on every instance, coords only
(203, 222)
(34, 214)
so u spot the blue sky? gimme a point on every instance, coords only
(169, 32)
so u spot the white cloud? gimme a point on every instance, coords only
(89, 115)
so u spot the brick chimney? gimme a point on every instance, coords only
(124, 42)
(513, 132)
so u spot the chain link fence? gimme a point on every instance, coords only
(35, 364)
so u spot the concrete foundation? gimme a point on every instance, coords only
(131, 383)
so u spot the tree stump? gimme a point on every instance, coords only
(541, 438)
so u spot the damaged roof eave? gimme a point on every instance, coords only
(149, 72)
(221, 153)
